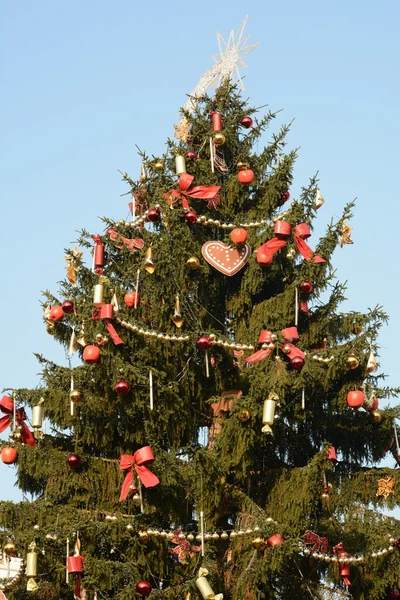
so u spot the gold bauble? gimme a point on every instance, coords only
(136, 499)
(75, 396)
(224, 535)
(159, 165)
(129, 527)
(286, 348)
(50, 329)
(376, 416)
(9, 549)
(352, 362)
(241, 165)
(143, 537)
(357, 328)
(244, 415)
(258, 543)
(219, 138)
(193, 263)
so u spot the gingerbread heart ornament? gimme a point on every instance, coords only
(225, 258)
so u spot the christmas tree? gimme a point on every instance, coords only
(221, 436)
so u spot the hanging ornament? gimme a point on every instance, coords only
(305, 287)
(180, 165)
(190, 217)
(31, 566)
(114, 302)
(372, 365)
(245, 176)
(203, 342)
(352, 362)
(285, 196)
(73, 263)
(74, 461)
(226, 259)
(193, 263)
(153, 215)
(182, 130)
(297, 363)
(246, 122)
(385, 487)
(148, 263)
(275, 540)
(98, 253)
(243, 415)
(190, 155)
(344, 567)
(216, 121)
(355, 399)
(269, 413)
(345, 236)
(56, 313)
(331, 453)
(259, 543)
(122, 387)
(37, 419)
(376, 416)
(143, 173)
(75, 567)
(318, 199)
(98, 294)
(218, 138)
(158, 165)
(131, 299)
(238, 236)
(9, 548)
(91, 354)
(67, 306)
(204, 587)
(144, 588)
(9, 455)
(75, 396)
(177, 318)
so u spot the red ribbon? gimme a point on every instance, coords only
(291, 338)
(318, 543)
(138, 461)
(131, 244)
(282, 232)
(106, 312)
(205, 192)
(344, 568)
(7, 407)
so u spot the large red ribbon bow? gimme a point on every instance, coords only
(131, 244)
(282, 231)
(344, 567)
(106, 312)
(318, 543)
(138, 461)
(205, 192)
(7, 407)
(290, 336)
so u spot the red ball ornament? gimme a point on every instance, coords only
(56, 313)
(122, 387)
(246, 122)
(91, 354)
(285, 196)
(238, 235)
(144, 588)
(130, 299)
(275, 540)
(74, 461)
(264, 258)
(305, 287)
(191, 217)
(355, 399)
(297, 363)
(190, 155)
(67, 306)
(203, 343)
(153, 215)
(9, 455)
(246, 176)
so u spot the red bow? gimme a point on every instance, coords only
(344, 568)
(318, 543)
(183, 548)
(282, 231)
(7, 407)
(205, 192)
(131, 244)
(290, 336)
(142, 457)
(106, 312)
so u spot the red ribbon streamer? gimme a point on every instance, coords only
(7, 407)
(291, 338)
(131, 244)
(205, 192)
(106, 312)
(138, 461)
(282, 232)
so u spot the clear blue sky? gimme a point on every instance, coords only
(83, 82)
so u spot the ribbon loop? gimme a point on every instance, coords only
(282, 231)
(131, 244)
(204, 192)
(138, 461)
(7, 407)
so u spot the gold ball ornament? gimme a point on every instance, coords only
(242, 165)
(159, 165)
(136, 499)
(193, 263)
(352, 362)
(244, 415)
(143, 537)
(50, 329)
(286, 348)
(219, 138)
(190, 537)
(75, 396)
(129, 527)
(258, 543)
(376, 416)
(357, 328)
(9, 549)
(224, 535)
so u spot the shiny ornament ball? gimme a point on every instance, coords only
(219, 138)
(355, 399)
(305, 287)
(246, 122)
(224, 535)
(130, 299)
(91, 354)
(243, 415)
(50, 329)
(144, 588)
(122, 387)
(56, 313)
(67, 307)
(190, 217)
(74, 461)
(246, 176)
(264, 259)
(9, 455)
(136, 499)
(285, 196)
(297, 363)
(238, 235)
(376, 416)
(9, 549)
(203, 343)
(129, 527)
(153, 215)
(286, 348)
(133, 489)
(159, 165)
(190, 155)
(258, 543)
(193, 263)
(143, 537)
(352, 362)
(275, 540)
(75, 396)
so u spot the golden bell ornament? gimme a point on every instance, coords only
(219, 138)
(193, 263)
(159, 165)
(376, 416)
(9, 549)
(75, 396)
(258, 543)
(143, 537)
(352, 362)
(244, 415)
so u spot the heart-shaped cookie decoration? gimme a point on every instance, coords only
(225, 258)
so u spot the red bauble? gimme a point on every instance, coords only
(191, 217)
(246, 122)
(9, 455)
(297, 362)
(144, 588)
(190, 155)
(56, 313)
(67, 306)
(285, 196)
(130, 299)
(355, 399)
(153, 215)
(91, 354)
(393, 594)
(246, 176)
(305, 287)
(275, 540)
(203, 343)
(238, 235)
(74, 461)
(122, 387)
(264, 258)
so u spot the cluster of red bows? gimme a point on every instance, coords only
(288, 346)
(7, 407)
